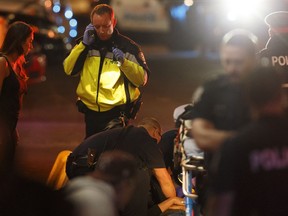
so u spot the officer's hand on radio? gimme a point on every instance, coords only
(89, 35)
(119, 55)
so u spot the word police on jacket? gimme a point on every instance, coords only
(279, 60)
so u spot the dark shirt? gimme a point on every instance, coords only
(136, 141)
(224, 104)
(10, 99)
(254, 165)
(166, 146)
(276, 54)
(142, 146)
(13, 88)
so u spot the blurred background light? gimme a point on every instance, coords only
(231, 16)
(51, 34)
(179, 12)
(188, 3)
(68, 14)
(48, 3)
(61, 29)
(73, 22)
(243, 10)
(68, 46)
(73, 33)
(56, 8)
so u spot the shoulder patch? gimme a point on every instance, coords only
(141, 56)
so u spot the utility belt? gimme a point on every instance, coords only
(82, 164)
(130, 110)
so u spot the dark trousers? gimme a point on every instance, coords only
(8, 142)
(97, 121)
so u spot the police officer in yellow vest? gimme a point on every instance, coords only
(111, 67)
(275, 53)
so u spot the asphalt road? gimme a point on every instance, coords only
(50, 122)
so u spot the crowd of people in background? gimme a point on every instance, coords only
(237, 123)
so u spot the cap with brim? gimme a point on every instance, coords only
(183, 112)
(278, 21)
(179, 111)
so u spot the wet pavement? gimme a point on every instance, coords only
(50, 122)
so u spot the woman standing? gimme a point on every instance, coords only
(17, 43)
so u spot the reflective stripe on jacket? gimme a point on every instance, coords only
(111, 89)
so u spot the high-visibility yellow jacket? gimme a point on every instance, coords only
(101, 86)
